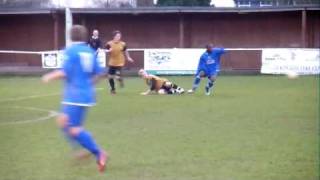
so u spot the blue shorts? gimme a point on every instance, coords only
(207, 73)
(212, 74)
(76, 114)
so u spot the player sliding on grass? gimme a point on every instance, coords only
(80, 70)
(209, 66)
(159, 85)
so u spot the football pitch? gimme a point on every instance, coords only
(251, 128)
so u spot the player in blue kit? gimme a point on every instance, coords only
(209, 66)
(80, 71)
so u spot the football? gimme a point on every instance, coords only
(180, 90)
(292, 75)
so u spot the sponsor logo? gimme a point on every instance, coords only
(159, 57)
(210, 61)
(275, 57)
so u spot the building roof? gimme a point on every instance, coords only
(157, 10)
(17, 11)
(168, 10)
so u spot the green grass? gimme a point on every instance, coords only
(252, 128)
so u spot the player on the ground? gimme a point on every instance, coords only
(159, 85)
(118, 54)
(209, 66)
(80, 71)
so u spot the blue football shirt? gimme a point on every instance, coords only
(80, 66)
(210, 62)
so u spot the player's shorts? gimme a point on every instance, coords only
(172, 88)
(76, 114)
(201, 72)
(115, 70)
(207, 73)
(210, 74)
(167, 90)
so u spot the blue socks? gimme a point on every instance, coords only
(85, 139)
(73, 143)
(196, 82)
(210, 84)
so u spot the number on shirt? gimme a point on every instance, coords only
(86, 60)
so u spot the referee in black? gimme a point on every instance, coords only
(94, 41)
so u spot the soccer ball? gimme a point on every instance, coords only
(292, 75)
(180, 90)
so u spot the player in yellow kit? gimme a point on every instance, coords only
(117, 51)
(159, 85)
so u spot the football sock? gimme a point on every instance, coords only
(69, 138)
(121, 82)
(111, 82)
(196, 82)
(86, 140)
(210, 84)
(174, 86)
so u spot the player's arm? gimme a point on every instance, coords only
(54, 75)
(97, 78)
(126, 53)
(99, 44)
(60, 73)
(202, 62)
(98, 71)
(220, 50)
(146, 92)
(89, 42)
(152, 86)
(108, 48)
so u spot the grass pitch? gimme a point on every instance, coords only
(252, 127)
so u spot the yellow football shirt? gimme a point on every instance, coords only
(116, 55)
(155, 82)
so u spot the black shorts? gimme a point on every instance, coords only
(115, 70)
(168, 89)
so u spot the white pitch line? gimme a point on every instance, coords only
(51, 114)
(28, 97)
(34, 96)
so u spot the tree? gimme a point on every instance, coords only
(183, 3)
